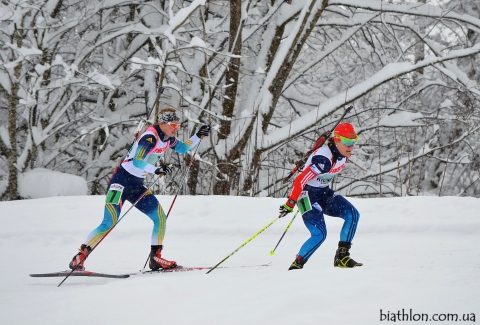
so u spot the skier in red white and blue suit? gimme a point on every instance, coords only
(127, 184)
(312, 194)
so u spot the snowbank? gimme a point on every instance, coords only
(41, 183)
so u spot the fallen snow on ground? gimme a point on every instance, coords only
(419, 253)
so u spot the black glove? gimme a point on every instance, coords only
(164, 170)
(284, 210)
(204, 131)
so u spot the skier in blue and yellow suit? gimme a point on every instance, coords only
(127, 184)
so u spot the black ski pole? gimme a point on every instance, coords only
(321, 140)
(272, 252)
(113, 226)
(184, 177)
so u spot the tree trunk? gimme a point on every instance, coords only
(278, 83)
(233, 70)
(11, 193)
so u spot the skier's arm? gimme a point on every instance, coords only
(320, 165)
(183, 147)
(145, 145)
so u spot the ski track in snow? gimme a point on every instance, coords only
(419, 253)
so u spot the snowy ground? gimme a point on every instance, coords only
(419, 253)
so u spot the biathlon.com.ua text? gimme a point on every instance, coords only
(408, 315)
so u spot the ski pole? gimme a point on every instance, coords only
(178, 190)
(245, 243)
(110, 230)
(184, 178)
(272, 252)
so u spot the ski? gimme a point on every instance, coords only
(178, 268)
(181, 268)
(79, 273)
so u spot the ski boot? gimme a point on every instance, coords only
(298, 263)
(79, 259)
(156, 260)
(342, 256)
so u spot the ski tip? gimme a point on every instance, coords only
(272, 252)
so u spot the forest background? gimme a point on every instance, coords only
(76, 77)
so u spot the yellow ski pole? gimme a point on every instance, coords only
(245, 243)
(288, 227)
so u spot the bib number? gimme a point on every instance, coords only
(114, 194)
(303, 202)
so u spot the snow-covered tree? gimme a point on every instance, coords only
(270, 76)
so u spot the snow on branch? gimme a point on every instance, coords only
(177, 20)
(389, 72)
(331, 47)
(453, 72)
(426, 150)
(415, 9)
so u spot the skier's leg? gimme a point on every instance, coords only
(110, 218)
(338, 206)
(113, 207)
(152, 208)
(315, 223)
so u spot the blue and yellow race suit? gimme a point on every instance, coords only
(127, 183)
